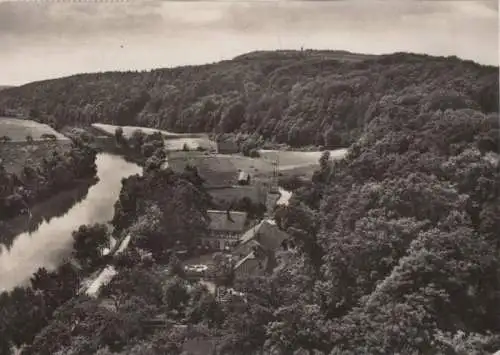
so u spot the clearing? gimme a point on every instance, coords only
(15, 155)
(173, 141)
(110, 129)
(222, 169)
(17, 130)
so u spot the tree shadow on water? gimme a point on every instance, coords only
(53, 207)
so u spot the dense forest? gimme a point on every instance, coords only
(397, 246)
(298, 98)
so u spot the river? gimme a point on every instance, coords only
(51, 242)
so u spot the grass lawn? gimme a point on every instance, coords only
(17, 129)
(18, 152)
(129, 130)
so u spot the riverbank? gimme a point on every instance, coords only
(51, 242)
(44, 211)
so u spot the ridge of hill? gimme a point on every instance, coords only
(294, 97)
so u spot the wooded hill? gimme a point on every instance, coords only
(397, 247)
(294, 97)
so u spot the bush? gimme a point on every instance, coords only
(254, 153)
(291, 183)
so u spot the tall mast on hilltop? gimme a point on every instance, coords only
(276, 164)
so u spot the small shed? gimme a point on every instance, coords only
(243, 178)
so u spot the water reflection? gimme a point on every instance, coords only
(43, 212)
(52, 242)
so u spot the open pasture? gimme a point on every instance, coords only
(17, 130)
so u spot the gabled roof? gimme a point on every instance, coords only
(266, 233)
(219, 221)
(250, 256)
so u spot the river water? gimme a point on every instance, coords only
(51, 242)
(45, 242)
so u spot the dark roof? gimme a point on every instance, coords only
(266, 233)
(251, 267)
(219, 221)
(250, 256)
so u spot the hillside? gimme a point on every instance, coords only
(299, 98)
(394, 249)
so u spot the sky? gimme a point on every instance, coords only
(45, 39)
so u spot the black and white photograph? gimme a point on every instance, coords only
(249, 177)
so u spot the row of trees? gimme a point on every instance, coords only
(58, 170)
(283, 97)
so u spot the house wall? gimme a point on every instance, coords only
(220, 240)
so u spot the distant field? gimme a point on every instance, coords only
(217, 167)
(14, 155)
(17, 129)
(173, 141)
(214, 165)
(192, 143)
(129, 130)
(291, 160)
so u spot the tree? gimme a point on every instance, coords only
(137, 139)
(88, 241)
(119, 135)
(163, 210)
(175, 294)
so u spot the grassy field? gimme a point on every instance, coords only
(173, 141)
(129, 130)
(217, 167)
(213, 166)
(14, 155)
(294, 159)
(176, 144)
(17, 129)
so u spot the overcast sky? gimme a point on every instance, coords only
(47, 40)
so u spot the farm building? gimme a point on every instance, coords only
(225, 228)
(254, 263)
(257, 248)
(243, 178)
(265, 234)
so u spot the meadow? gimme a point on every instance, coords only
(15, 155)
(17, 130)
